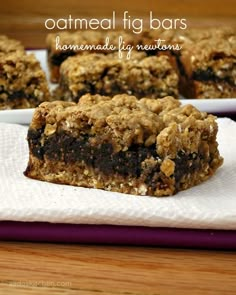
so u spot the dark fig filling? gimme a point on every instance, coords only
(58, 58)
(63, 147)
(16, 97)
(208, 75)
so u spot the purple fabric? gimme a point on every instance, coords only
(117, 235)
(231, 115)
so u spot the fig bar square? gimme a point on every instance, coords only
(208, 68)
(141, 147)
(22, 81)
(141, 75)
(61, 45)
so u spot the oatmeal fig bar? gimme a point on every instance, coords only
(22, 81)
(62, 45)
(141, 147)
(208, 68)
(141, 75)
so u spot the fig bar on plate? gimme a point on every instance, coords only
(208, 68)
(141, 75)
(61, 45)
(22, 81)
(141, 147)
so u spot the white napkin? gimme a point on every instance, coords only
(209, 205)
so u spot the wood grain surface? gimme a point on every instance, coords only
(59, 8)
(34, 268)
(25, 19)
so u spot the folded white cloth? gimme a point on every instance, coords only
(209, 205)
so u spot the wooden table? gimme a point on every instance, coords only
(34, 268)
(26, 21)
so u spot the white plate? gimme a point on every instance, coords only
(216, 105)
(24, 116)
